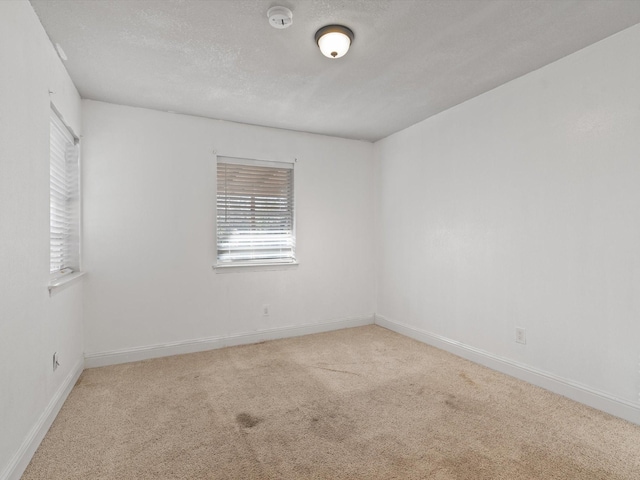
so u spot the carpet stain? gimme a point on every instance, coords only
(335, 370)
(334, 426)
(466, 378)
(247, 421)
(452, 402)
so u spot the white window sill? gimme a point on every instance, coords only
(253, 267)
(64, 281)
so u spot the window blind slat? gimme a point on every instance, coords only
(254, 213)
(63, 199)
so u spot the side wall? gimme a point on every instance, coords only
(33, 325)
(520, 208)
(149, 235)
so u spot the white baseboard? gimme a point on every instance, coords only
(115, 357)
(570, 389)
(19, 462)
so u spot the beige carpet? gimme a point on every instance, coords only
(357, 403)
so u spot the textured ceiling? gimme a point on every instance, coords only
(411, 59)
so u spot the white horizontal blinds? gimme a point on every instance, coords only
(63, 199)
(255, 218)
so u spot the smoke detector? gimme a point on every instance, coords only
(280, 17)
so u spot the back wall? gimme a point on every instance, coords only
(149, 232)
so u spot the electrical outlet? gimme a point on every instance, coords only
(265, 310)
(56, 362)
(521, 336)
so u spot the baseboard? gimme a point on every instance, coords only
(21, 459)
(115, 357)
(570, 389)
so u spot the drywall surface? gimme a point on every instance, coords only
(149, 232)
(33, 325)
(519, 208)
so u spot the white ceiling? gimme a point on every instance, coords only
(410, 58)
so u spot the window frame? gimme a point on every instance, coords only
(71, 266)
(260, 264)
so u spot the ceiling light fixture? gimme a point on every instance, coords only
(334, 40)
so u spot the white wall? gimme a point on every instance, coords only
(149, 231)
(32, 324)
(521, 207)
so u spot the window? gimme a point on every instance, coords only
(64, 242)
(255, 212)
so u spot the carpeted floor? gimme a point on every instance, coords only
(357, 403)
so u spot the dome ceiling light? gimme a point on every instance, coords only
(334, 40)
